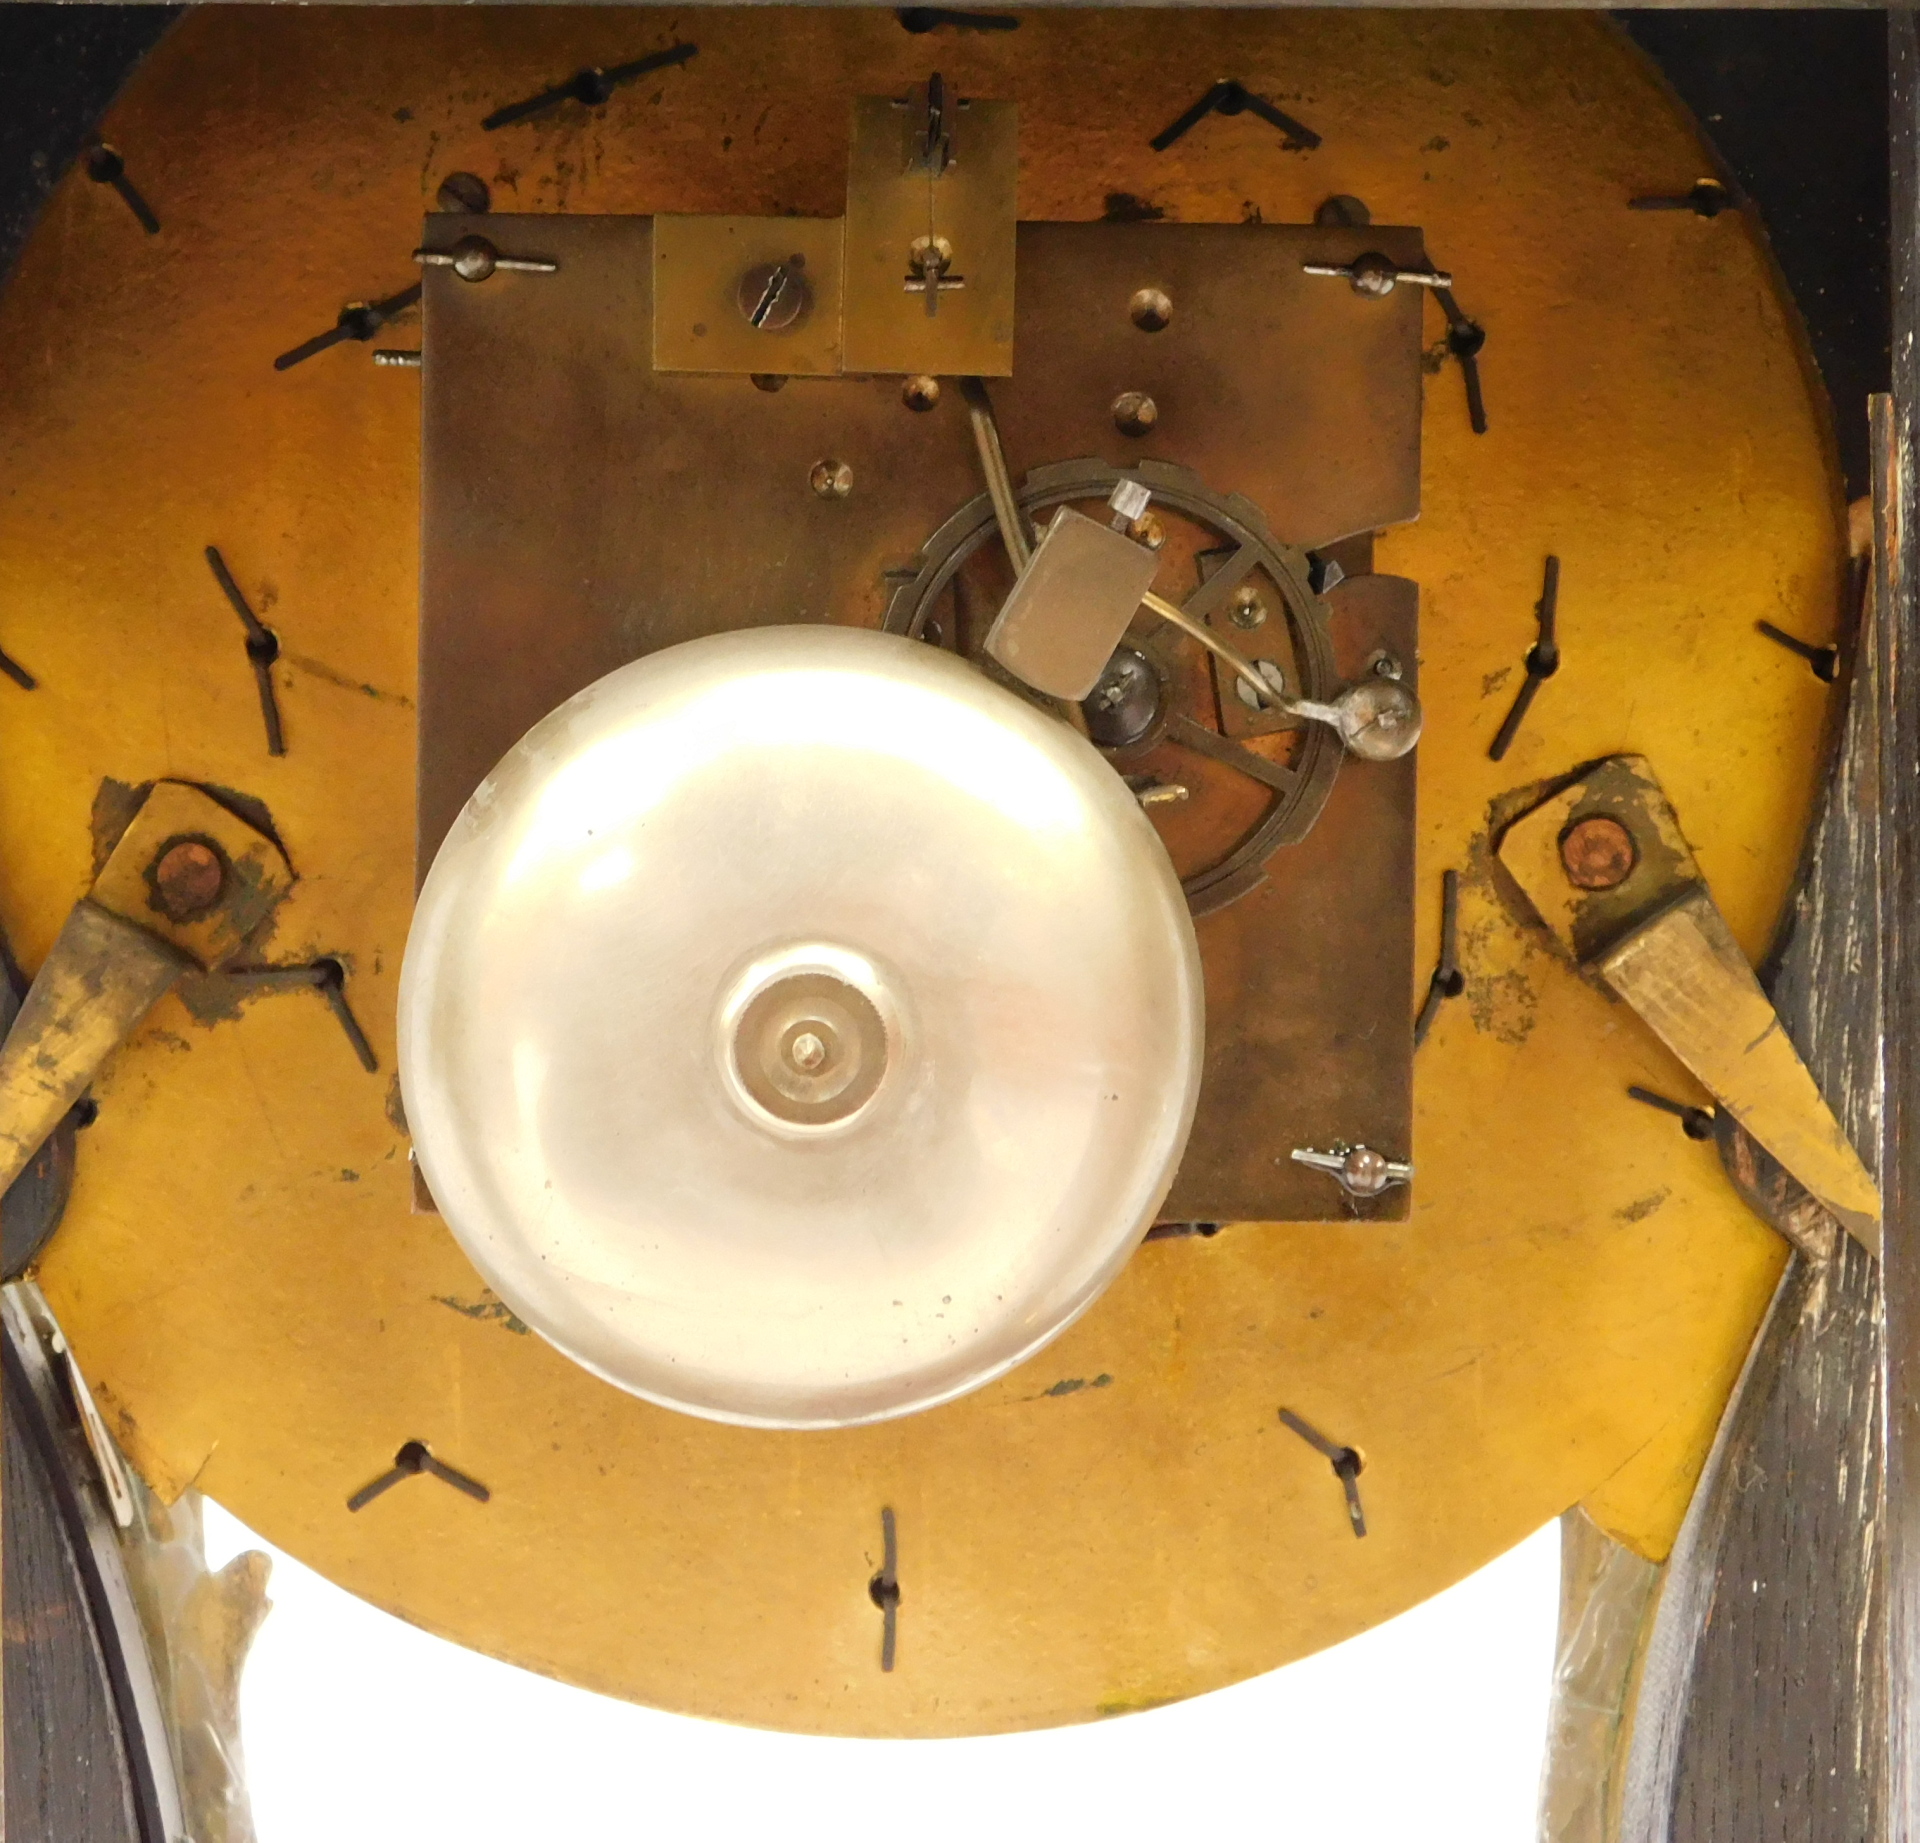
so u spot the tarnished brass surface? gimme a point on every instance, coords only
(1308, 1028)
(1562, 1314)
(542, 570)
(536, 580)
(698, 268)
(1266, 381)
(1211, 544)
(1304, 985)
(893, 203)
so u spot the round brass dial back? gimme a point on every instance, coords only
(1125, 1521)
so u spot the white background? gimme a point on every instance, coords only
(1430, 1728)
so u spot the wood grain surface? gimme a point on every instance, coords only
(1762, 1702)
(67, 1778)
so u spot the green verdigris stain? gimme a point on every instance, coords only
(1072, 1385)
(487, 1309)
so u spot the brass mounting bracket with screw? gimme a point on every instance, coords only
(1605, 865)
(186, 885)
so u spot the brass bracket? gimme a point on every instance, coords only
(931, 211)
(1604, 863)
(747, 295)
(185, 886)
(916, 279)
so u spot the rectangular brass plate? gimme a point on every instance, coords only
(580, 509)
(698, 325)
(1310, 982)
(971, 205)
(1287, 387)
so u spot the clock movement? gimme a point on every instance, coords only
(855, 835)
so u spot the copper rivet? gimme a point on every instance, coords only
(1134, 412)
(1597, 853)
(188, 878)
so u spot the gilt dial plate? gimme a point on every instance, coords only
(1124, 1521)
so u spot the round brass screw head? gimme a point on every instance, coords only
(831, 479)
(1134, 412)
(1342, 212)
(775, 296)
(1247, 610)
(474, 259)
(1597, 853)
(1365, 1171)
(1151, 310)
(187, 879)
(463, 192)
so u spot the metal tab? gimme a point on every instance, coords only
(1066, 613)
(901, 204)
(254, 876)
(1605, 865)
(185, 885)
(1359, 1170)
(107, 1463)
(747, 295)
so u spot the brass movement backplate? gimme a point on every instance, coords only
(1308, 1032)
